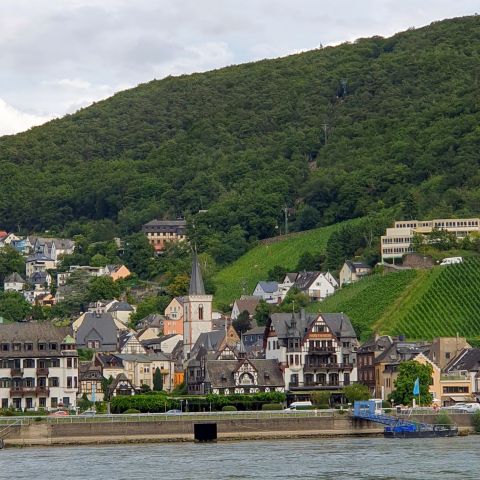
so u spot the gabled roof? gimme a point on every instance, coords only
(339, 324)
(376, 344)
(353, 265)
(467, 359)
(121, 307)
(102, 323)
(292, 276)
(220, 373)
(14, 278)
(247, 303)
(268, 287)
(304, 280)
(288, 325)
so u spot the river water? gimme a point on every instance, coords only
(325, 458)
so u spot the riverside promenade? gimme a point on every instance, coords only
(142, 428)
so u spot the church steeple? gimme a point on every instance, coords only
(196, 280)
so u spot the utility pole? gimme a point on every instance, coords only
(325, 132)
(285, 211)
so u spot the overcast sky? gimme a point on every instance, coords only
(57, 56)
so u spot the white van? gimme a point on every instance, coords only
(294, 406)
(451, 260)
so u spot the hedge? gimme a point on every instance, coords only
(272, 406)
(229, 408)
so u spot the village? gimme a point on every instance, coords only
(189, 349)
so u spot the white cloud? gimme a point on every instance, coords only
(14, 121)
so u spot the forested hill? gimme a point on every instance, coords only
(402, 129)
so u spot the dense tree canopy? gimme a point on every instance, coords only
(243, 142)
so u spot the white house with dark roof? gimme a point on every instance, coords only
(246, 303)
(315, 285)
(268, 291)
(121, 311)
(14, 283)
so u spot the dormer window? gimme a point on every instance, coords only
(5, 347)
(28, 347)
(42, 346)
(17, 347)
(53, 346)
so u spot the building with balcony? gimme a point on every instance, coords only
(397, 241)
(38, 367)
(159, 232)
(315, 351)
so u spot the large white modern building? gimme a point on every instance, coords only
(397, 241)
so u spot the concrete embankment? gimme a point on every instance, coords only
(99, 430)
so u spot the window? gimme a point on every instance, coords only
(455, 389)
(29, 402)
(53, 346)
(29, 363)
(5, 382)
(5, 347)
(447, 355)
(55, 362)
(42, 402)
(69, 363)
(69, 382)
(66, 401)
(4, 402)
(54, 402)
(17, 347)
(200, 312)
(28, 347)
(75, 362)
(53, 382)
(42, 346)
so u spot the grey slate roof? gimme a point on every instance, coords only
(268, 287)
(354, 265)
(38, 278)
(220, 373)
(14, 278)
(339, 324)
(196, 280)
(121, 307)
(98, 326)
(467, 359)
(305, 279)
(34, 333)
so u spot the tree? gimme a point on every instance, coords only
(179, 286)
(309, 261)
(262, 313)
(308, 218)
(408, 372)
(102, 288)
(14, 307)
(106, 382)
(149, 305)
(356, 391)
(157, 380)
(10, 261)
(138, 255)
(277, 273)
(242, 322)
(294, 300)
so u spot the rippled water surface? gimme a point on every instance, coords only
(343, 458)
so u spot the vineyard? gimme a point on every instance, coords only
(450, 306)
(366, 301)
(420, 304)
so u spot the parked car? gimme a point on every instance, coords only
(295, 406)
(59, 413)
(467, 407)
(174, 412)
(88, 413)
(451, 260)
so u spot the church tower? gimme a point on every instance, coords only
(197, 309)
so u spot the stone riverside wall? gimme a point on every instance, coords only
(46, 433)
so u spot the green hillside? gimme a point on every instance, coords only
(421, 304)
(240, 143)
(244, 273)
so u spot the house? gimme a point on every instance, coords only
(121, 385)
(165, 343)
(45, 300)
(245, 303)
(253, 342)
(117, 272)
(38, 366)
(97, 331)
(90, 381)
(388, 362)
(150, 327)
(315, 351)
(129, 344)
(268, 291)
(173, 322)
(353, 271)
(444, 349)
(38, 263)
(14, 282)
(160, 232)
(53, 248)
(314, 284)
(467, 363)
(367, 354)
(121, 311)
(287, 284)
(138, 368)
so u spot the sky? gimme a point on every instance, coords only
(57, 56)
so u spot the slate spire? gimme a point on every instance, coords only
(196, 280)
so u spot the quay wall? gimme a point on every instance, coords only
(99, 430)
